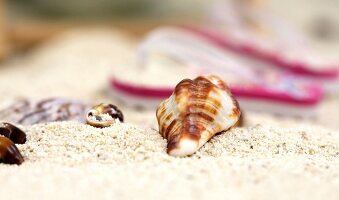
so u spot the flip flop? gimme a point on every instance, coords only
(283, 48)
(255, 90)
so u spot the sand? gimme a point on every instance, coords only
(270, 157)
(69, 160)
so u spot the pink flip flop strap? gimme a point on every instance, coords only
(202, 55)
(296, 67)
(229, 15)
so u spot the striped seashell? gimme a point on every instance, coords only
(30, 111)
(195, 112)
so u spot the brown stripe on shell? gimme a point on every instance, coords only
(161, 114)
(191, 127)
(235, 113)
(166, 133)
(216, 104)
(170, 126)
(169, 116)
(218, 82)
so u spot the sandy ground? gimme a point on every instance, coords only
(269, 158)
(75, 161)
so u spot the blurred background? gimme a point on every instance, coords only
(25, 22)
(71, 48)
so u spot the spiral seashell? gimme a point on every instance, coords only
(30, 111)
(195, 112)
(104, 115)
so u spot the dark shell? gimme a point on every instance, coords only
(13, 133)
(9, 153)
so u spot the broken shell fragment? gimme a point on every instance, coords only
(13, 133)
(195, 112)
(9, 153)
(104, 115)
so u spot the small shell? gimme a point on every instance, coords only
(13, 133)
(9, 153)
(29, 111)
(104, 115)
(195, 112)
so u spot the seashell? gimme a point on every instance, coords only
(104, 115)
(195, 112)
(29, 111)
(13, 133)
(9, 153)
(241, 121)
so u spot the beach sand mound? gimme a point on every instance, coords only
(69, 160)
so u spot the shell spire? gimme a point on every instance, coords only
(195, 112)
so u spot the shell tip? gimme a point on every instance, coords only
(184, 148)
